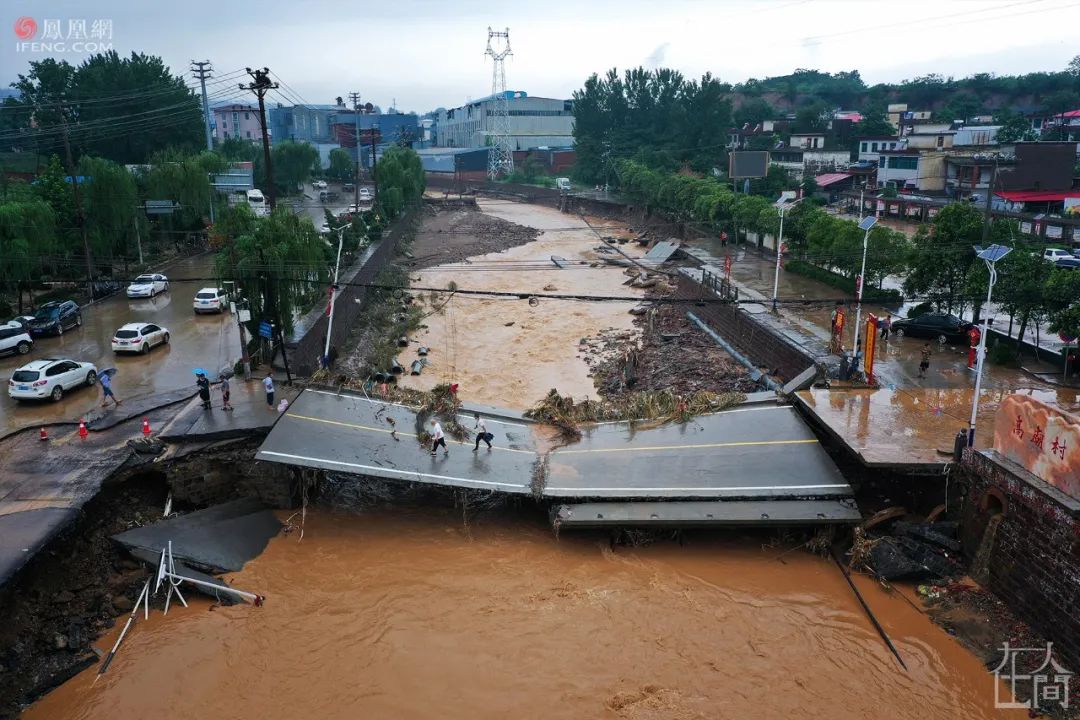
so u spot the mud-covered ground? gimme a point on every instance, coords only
(451, 234)
(71, 592)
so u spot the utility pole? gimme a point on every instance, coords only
(202, 69)
(355, 97)
(80, 218)
(260, 84)
(374, 178)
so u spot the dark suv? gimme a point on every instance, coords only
(53, 318)
(942, 327)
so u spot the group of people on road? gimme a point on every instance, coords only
(438, 437)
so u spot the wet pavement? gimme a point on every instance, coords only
(757, 450)
(207, 341)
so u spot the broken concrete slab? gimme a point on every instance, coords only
(801, 381)
(218, 539)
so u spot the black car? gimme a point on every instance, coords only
(942, 327)
(53, 318)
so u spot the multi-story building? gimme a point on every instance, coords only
(803, 161)
(912, 170)
(237, 121)
(534, 122)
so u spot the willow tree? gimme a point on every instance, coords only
(280, 264)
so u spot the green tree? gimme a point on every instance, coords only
(341, 165)
(294, 163)
(280, 263)
(874, 122)
(122, 109)
(1021, 289)
(110, 198)
(239, 150)
(400, 179)
(1014, 128)
(752, 112)
(813, 117)
(942, 253)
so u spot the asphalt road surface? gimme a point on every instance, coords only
(756, 451)
(207, 341)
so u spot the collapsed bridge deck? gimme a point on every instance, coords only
(760, 451)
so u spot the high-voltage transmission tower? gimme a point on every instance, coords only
(501, 149)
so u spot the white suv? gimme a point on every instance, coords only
(14, 338)
(209, 300)
(49, 378)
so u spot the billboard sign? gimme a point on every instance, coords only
(748, 164)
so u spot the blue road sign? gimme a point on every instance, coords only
(266, 330)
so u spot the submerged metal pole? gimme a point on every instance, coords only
(866, 608)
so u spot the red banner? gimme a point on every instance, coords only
(869, 346)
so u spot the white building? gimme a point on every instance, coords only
(534, 122)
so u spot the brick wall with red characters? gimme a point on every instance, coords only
(1034, 563)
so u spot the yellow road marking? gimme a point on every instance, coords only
(381, 430)
(632, 448)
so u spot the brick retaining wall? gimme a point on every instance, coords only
(762, 344)
(1035, 558)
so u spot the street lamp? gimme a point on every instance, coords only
(990, 256)
(783, 204)
(333, 297)
(865, 224)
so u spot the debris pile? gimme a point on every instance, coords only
(452, 235)
(666, 352)
(664, 405)
(915, 551)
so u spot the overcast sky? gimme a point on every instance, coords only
(430, 53)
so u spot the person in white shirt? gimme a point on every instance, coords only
(481, 432)
(268, 383)
(437, 438)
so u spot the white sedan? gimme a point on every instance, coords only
(147, 285)
(139, 337)
(50, 378)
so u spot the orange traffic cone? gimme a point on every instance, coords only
(146, 427)
(44, 435)
(83, 432)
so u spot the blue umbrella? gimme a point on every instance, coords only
(108, 371)
(199, 371)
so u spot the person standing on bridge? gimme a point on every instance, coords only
(226, 394)
(268, 384)
(437, 438)
(481, 432)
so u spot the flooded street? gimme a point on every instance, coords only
(502, 350)
(207, 341)
(409, 614)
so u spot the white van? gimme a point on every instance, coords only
(562, 184)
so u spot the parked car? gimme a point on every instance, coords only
(50, 378)
(22, 321)
(210, 300)
(147, 285)
(365, 194)
(1055, 254)
(1069, 263)
(14, 338)
(318, 184)
(105, 288)
(328, 196)
(139, 337)
(348, 187)
(942, 327)
(53, 318)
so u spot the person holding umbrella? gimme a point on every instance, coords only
(204, 387)
(105, 378)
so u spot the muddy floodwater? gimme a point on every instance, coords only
(502, 350)
(412, 614)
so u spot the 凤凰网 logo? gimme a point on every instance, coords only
(25, 28)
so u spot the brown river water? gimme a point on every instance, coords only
(409, 613)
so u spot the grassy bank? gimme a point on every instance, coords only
(801, 267)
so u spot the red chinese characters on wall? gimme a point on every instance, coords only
(1042, 439)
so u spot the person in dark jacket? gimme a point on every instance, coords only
(204, 390)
